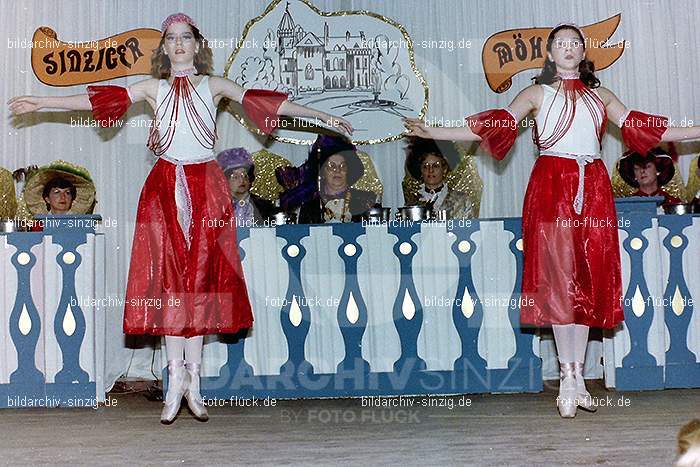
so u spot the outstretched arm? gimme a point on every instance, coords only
(143, 90)
(291, 109)
(525, 102)
(618, 113)
(25, 104)
(495, 129)
(222, 87)
(416, 127)
(673, 133)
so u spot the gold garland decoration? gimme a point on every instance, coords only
(411, 58)
(265, 184)
(8, 198)
(465, 178)
(369, 180)
(693, 179)
(24, 215)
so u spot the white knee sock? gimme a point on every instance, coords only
(564, 338)
(193, 358)
(193, 349)
(581, 338)
(175, 348)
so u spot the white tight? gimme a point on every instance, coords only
(184, 348)
(571, 340)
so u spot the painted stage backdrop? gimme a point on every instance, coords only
(354, 64)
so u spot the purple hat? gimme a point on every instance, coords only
(234, 158)
(326, 145)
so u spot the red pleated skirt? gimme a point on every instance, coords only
(176, 290)
(572, 269)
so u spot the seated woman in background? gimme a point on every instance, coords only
(340, 167)
(649, 173)
(58, 188)
(59, 194)
(250, 210)
(425, 161)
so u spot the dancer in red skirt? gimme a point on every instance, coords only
(571, 277)
(185, 276)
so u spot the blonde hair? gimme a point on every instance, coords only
(203, 59)
(689, 436)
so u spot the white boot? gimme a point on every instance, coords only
(194, 399)
(584, 399)
(566, 401)
(178, 380)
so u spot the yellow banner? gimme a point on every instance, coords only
(507, 53)
(59, 63)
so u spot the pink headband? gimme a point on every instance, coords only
(572, 25)
(176, 18)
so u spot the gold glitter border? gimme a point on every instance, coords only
(8, 198)
(411, 59)
(693, 180)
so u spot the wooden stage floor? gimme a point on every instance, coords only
(638, 428)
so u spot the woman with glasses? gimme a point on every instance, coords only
(340, 167)
(249, 210)
(430, 162)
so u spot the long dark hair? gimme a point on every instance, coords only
(549, 71)
(203, 60)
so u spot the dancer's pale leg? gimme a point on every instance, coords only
(175, 348)
(585, 400)
(178, 378)
(565, 340)
(193, 349)
(581, 337)
(193, 358)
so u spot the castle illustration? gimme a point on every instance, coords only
(308, 63)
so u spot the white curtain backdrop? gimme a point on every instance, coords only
(658, 73)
